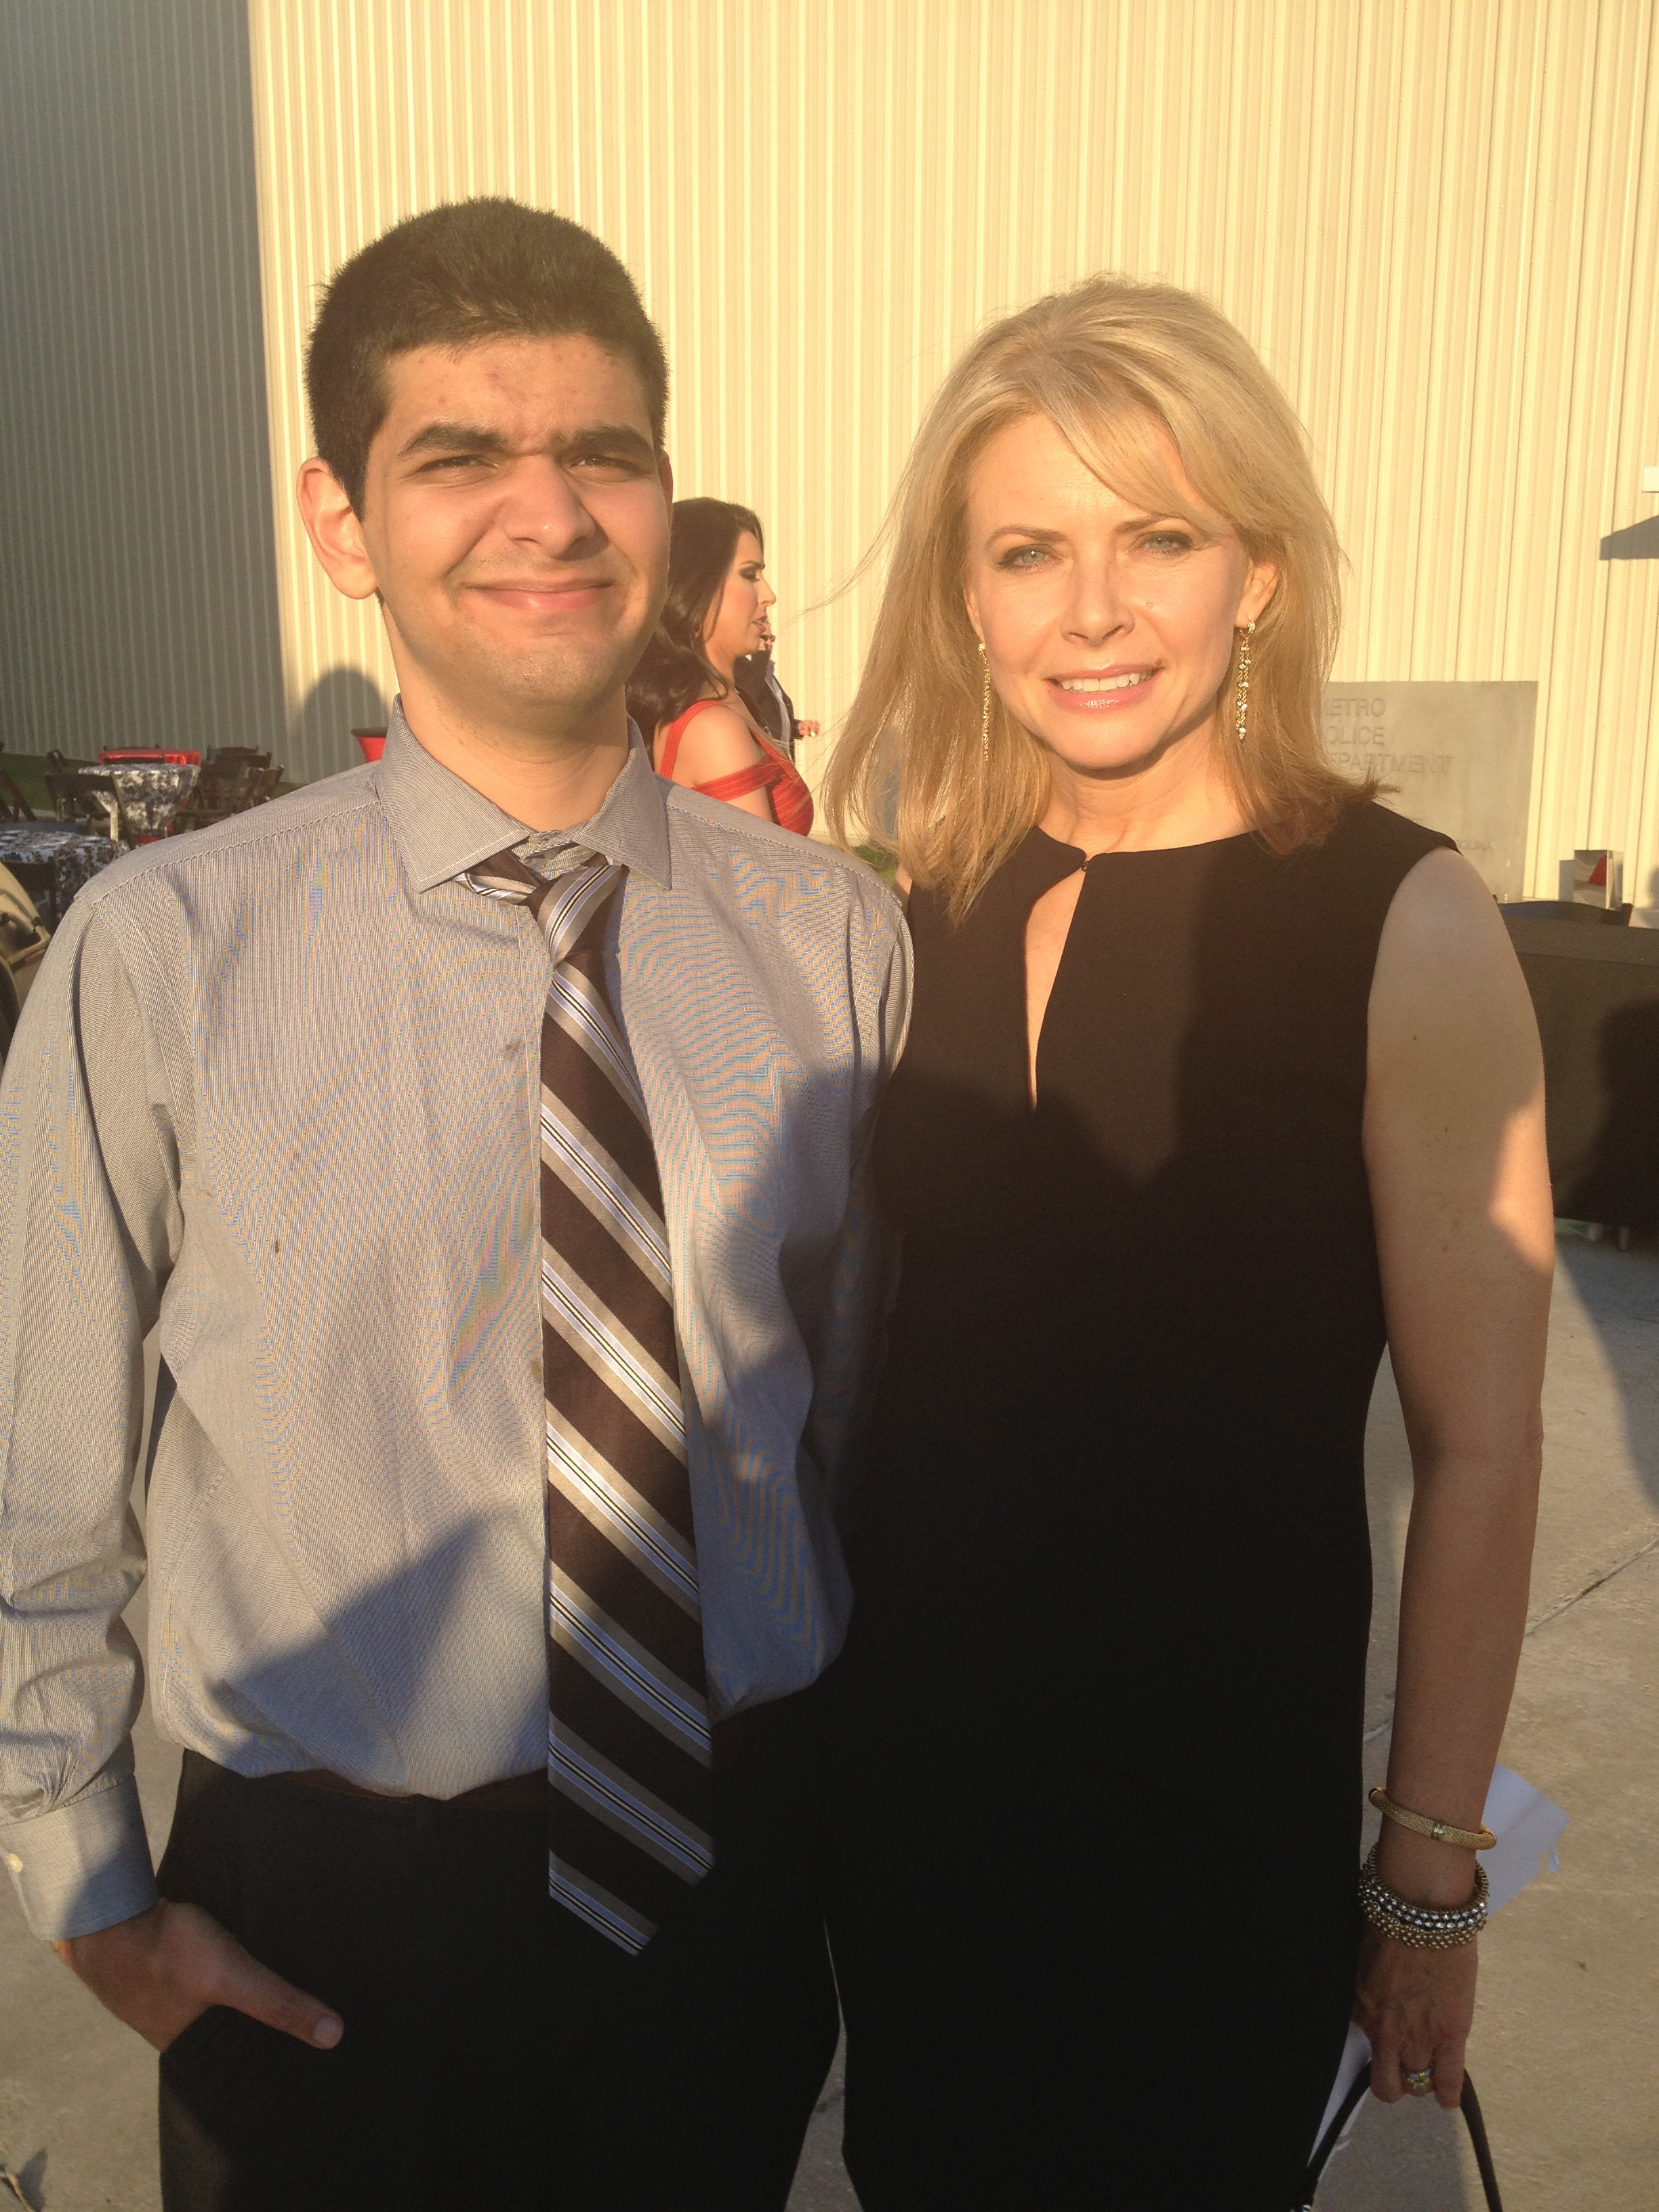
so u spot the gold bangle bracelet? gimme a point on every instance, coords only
(1468, 1839)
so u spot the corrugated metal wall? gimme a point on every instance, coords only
(137, 570)
(1439, 219)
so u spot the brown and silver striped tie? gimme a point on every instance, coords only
(628, 1743)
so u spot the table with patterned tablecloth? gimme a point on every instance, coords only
(150, 791)
(152, 795)
(52, 860)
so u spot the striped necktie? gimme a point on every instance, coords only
(629, 1752)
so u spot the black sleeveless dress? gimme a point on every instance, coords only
(1095, 1736)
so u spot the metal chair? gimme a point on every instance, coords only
(89, 798)
(264, 779)
(14, 807)
(223, 788)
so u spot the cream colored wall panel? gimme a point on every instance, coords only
(1437, 218)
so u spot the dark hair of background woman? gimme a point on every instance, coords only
(675, 671)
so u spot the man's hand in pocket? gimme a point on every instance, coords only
(163, 1969)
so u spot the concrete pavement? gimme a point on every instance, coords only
(1567, 2048)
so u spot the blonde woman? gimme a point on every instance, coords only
(1220, 1076)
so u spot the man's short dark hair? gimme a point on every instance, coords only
(480, 269)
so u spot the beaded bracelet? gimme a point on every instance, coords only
(1418, 1925)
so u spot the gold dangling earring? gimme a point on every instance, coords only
(985, 709)
(1243, 698)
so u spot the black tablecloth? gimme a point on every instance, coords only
(52, 860)
(1596, 992)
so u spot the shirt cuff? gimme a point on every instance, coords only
(84, 1865)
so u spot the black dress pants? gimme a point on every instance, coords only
(496, 2051)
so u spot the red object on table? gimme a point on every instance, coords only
(372, 741)
(146, 757)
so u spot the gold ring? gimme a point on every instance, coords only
(1419, 2082)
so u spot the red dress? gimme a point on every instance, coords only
(792, 801)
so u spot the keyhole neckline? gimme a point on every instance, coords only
(1081, 860)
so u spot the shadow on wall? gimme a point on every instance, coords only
(319, 739)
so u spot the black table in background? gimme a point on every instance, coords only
(1596, 990)
(52, 860)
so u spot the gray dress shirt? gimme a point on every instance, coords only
(275, 1095)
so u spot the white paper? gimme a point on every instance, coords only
(1356, 2053)
(1528, 1828)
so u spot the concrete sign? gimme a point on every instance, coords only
(1460, 755)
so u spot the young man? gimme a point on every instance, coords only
(482, 1134)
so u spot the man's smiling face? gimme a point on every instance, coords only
(514, 518)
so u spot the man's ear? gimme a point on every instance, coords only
(336, 534)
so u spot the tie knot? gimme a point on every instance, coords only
(566, 906)
(504, 876)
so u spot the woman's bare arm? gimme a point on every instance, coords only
(720, 742)
(1459, 1189)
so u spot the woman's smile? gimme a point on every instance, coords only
(1106, 692)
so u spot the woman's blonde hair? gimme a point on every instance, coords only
(1113, 363)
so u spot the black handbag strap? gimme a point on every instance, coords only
(1469, 2105)
(1477, 2128)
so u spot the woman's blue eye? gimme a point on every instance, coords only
(1022, 556)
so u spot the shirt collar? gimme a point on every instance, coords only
(443, 826)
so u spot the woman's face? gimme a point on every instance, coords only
(1108, 630)
(737, 624)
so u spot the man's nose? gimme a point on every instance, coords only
(541, 506)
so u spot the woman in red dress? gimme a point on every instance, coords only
(683, 694)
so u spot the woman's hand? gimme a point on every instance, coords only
(1416, 2007)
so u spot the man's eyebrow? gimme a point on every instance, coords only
(610, 438)
(454, 438)
(478, 438)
